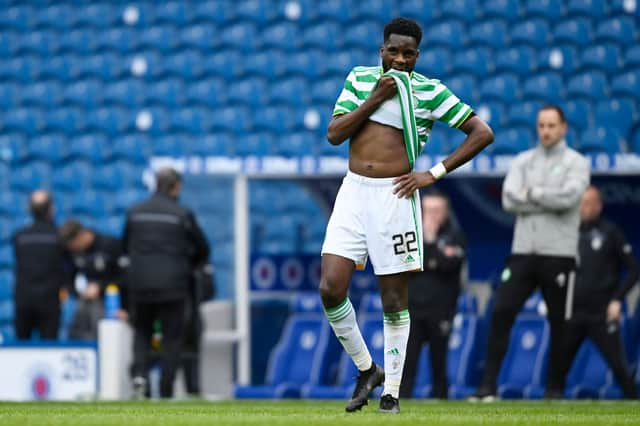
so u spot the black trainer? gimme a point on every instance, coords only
(483, 394)
(367, 381)
(389, 404)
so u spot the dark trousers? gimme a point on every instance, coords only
(520, 278)
(606, 337)
(171, 315)
(43, 316)
(434, 329)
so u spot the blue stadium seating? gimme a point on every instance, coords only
(503, 87)
(506, 9)
(626, 83)
(448, 34)
(6, 285)
(493, 113)
(475, 61)
(523, 368)
(545, 87)
(422, 10)
(562, 58)
(365, 35)
(589, 374)
(632, 57)
(168, 93)
(579, 113)
(436, 63)
(588, 8)
(464, 10)
(295, 361)
(619, 29)
(511, 141)
(378, 10)
(601, 139)
(588, 85)
(533, 32)
(619, 113)
(524, 113)
(546, 9)
(464, 87)
(516, 59)
(324, 35)
(576, 31)
(605, 57)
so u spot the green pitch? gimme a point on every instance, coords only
(309, 413)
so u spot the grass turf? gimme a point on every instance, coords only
(309, 413)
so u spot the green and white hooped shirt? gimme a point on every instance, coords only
(430, 101)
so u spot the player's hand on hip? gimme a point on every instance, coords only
(405, 185)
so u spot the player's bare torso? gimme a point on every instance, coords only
(378, 151)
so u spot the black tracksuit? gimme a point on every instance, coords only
(604, 254)
(101, 264)
(39, 275)
(433, 294)
(164, 244)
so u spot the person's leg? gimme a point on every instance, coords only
(336, 274)
(440, 330)
(394, 291)
(48, 321)
(574, 333)
(517, 285)
(557, 280)
(417, 338)
(23, 322)
(171, 314)
(606, 337)
(142, 323)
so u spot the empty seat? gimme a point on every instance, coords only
(550, 10)
(96, 15)
(78, 41)
(605, 57)
(163, 38)
(76, 176)
(446, 33)
(594, 9)
(171, 145)
(52, 147)
(546, 87)
(201, 36)
(463, 86)
(562, 58)
(126, 93)
(576, 31)
(619, 29)
(255, 144)
(43, 93)
(106, 66)
(211, 92)
(118, 175)
(421, 10)
(118, 39)
(242, 35)
(296, 144)
(521, 60)
(589, 374)
(578, 113)
(378, 10)
(218, 144)
(135, 148)
(476, 61)
(17, 17)
(503, 87)
(326, 91)
(324, 35)
(25, 69)
(506, 9)
(111, 121)
(173, 12)
(26, 120)
(249, 92)
(334, 10)
(600, 139)
(30, 177)
(617, 113)
(464, 10)
(292, 91)
(493, 113)
(523, 113)
(85, 94)
(90, 203)
(168, 93)
(65, 120)
(436, 62)
(492, 33)
(309, 64)
(187, 65)
(364, 35)
(588, 84)
(534, 32)
(632, 56)
(43, 43)
(278, 119)
(523, 367)
(511, 141)
(626, 83)
(91, 147)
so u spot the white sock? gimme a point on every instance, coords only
(343, 321)
(396, 334)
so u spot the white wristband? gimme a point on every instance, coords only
(438, 170)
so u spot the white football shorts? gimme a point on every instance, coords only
(368, 219)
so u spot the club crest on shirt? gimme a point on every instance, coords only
(596, 242)
(561, 279)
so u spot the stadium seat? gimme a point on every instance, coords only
(92, 147)
(371, 329)
(323, 35)
(252, 92)
(196, 121)
(364, 35)
(594, 9)
(210, 93)
(125, 92)
(134, 147)
(511, 141)
(632, 57)
(117, 175)
(619, 30)
(173, 13)
(534, 305)
(310, 64)
(6, 285)
(326, 91)
(111, 121)
(550, 10)
(467, 303)
(65, 120)
(589, 374)
(436, 62)
(601, 139)
(17, 17)
(503, 87)
(522, 371)
(42, 43)
(187, 65)
(505, 9)
(562, 58)
(378, 10)
(278, 119)
(167, 93)
(9, 95)
(476, 61)
(341, 63)
(463, 86)
(294, 91)
(255, 144)
(618, 113)
(106, 66)
(7, 307)
(521, 60)
(76, 176)
(231, 119)
(448, 34)
(576, 31)
(41, 94)
(532, 32)
(464, 10)
(90, 203)
(604, 57)
(211, 11)
(96, 15)
(85, 94)
(545, 87)
(296, 359)
(523, 113)
(588, 85)
(217, 144)
(627, 83)
(13, 204)
(579, 113)
(334, 10)
(493, 113)
(29, 121)
(169, 145)
(241, 35)
(24, 69)
(298, 144)
(118, 39)
(421, 10)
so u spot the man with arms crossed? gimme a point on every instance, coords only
(377, 209)
(543, 188)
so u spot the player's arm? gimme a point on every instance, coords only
(514, 192)
(479, 135)
(346, 125)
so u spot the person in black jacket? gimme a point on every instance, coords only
(97, 261)
(165, 245)
(39, 271)
(433, 294)
(599, 293)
